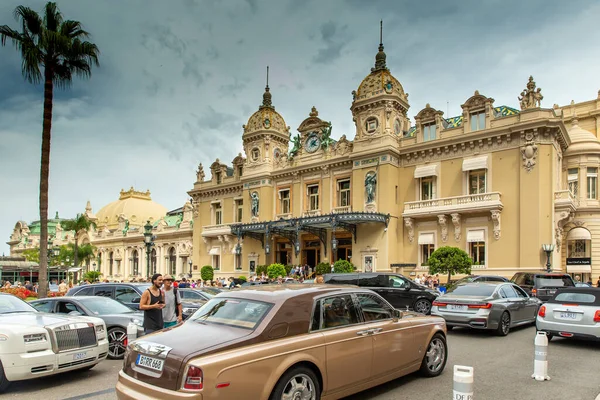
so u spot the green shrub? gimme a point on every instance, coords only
(207, 273)
(323, 268)
(343, 266)
(242, 278)
(288, 268)
(260, 269)
(275, 270)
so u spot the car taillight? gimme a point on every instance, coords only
(439, 304)
(484, 306)
(597, 316)
(193, 378)
(542, 312)
(534, 292)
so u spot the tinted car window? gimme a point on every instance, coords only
(523, 279)
(315, 323)
(520, 292)
(492, 279)
(65, 307)
(473, 290)
(397, 282)
(371, 280)
(44, 306)
(86, 291)
(553, 281)
(106, 291)
(125, 294)
(578, 298)
(345, 279)
(338, 311)
(190, 295)
(374, 308)
(508, 292)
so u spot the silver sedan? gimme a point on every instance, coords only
(571, 313)
(497, 306)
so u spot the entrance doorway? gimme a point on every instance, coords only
(344, 247)
(283, 254)
(311, 251)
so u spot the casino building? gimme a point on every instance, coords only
(496, 181)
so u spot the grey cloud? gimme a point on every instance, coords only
(335, 40)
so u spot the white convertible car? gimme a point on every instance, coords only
(34, 344)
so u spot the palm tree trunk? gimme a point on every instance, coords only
(44, 176)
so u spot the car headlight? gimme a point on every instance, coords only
(137, 322)
(34, 338)
(100, 332)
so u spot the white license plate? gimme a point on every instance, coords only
(149, 362)
(551, 291)
(79, 356)
(455, 307)
(568, 315)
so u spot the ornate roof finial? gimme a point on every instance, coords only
(380, 57)
(88, 206)
(267, 95)
(313, 112)
(530, 97)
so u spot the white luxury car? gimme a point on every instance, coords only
(34, 344)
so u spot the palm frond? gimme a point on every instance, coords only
(30, 20)
(52, 17)
(7, 33)
(73, 29)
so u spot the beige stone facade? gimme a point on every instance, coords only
(495, 181)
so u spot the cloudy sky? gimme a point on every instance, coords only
(178, 79)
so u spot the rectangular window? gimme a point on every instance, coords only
(313, 197)
(592, 183)
(428, 132)
(216, 262)
(239, 210)
(344, 193)
(477, 121)
(240, 170)
(284, 201)
(477, 250)
(426, 251)
(218, 214)
(573, 181)
(218, 177)
(428, 188)
(477, 181)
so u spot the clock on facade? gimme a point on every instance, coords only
(312, 144)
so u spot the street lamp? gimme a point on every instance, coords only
(334, 244)
(190, 263)
(93, 266)
(548, 249)
(148, 243)
(267, 249)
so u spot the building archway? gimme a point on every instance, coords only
(579, 254)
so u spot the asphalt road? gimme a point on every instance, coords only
(503, 368)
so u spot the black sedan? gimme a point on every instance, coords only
(116, 316)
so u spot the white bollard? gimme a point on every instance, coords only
(540, 359)
(131, 333)
(463, 383)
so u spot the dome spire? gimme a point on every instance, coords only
(380, 57)
(267, 95)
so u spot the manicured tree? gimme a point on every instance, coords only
(275, 270)
(92, 276)
(52, 51)
(207, 273)
(343, 266)
(449, 260)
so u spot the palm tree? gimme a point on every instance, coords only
(52, 50)
(80, 224)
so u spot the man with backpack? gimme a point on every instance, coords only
(172, 313)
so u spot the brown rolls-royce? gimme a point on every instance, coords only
(284, 342)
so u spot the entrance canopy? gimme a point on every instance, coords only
(579, 234)
(579, 269)
(318, 226)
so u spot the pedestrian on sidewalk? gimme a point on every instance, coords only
(151, 304)
(172, 313)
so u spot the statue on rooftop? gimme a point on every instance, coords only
(530, 97)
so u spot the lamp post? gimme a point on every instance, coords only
(148, 243)
(190, 262)
(238, 253)
(548, 249)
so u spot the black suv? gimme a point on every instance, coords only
(542, 285)
(398, 290)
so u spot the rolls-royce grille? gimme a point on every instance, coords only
(76, 338)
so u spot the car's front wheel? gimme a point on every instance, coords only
(4, 383)
(435, 357)
(117, 343)
(297, 383)
(423, 306)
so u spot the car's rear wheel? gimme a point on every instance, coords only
(117, 343)
(299, 383)
(503, 324)
(4, 383)
(435, 357)
(422, 306)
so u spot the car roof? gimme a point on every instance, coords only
(281, 293)
(485, 283)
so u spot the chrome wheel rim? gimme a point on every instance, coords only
(436, 355)
(116, 343)
(505, 323)
(300, 387)
(422, 306)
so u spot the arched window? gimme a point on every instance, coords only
(110, 263)
(153, 261)
(135, 263)
(172, 262)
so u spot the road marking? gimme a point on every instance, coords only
(93, 394)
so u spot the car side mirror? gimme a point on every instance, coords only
(397, 314)
(408, 287)
(75, 313)
(136, 300)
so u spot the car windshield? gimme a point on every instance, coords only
(466, 279)
(240, 313)
(208, 294)
(553, 281)
(11, 304)
(473, 290)
(104, 305)
(577, 298)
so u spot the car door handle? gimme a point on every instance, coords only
(376, 330)
(364, 333)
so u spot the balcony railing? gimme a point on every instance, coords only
(284, 216)
(342, 209)
(216, 230)
(312, 213)
(460, 204)
(566, 198)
